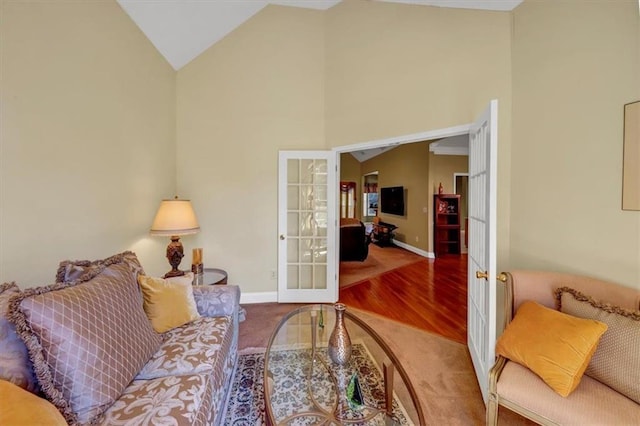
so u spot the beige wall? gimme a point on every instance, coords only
(90, 119)
(87, 137)
(259, 90)
(350, 171)
(302, 79)
(442, 169)
(575, 64)
(407, 166)
(397, 69)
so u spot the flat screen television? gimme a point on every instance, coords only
(392, 200)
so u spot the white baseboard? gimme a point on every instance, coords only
(265, 297)
(413, 249)
(272, 296)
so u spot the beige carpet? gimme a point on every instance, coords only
(440, 369)
(379, 261)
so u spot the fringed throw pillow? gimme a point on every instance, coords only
(87, 340)
(15, 365)
(616, 361)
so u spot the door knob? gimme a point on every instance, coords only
(502, 277)
(281, 237)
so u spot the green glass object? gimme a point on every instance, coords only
(321, 320)
(354, 393)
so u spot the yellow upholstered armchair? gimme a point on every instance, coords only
(602, 395)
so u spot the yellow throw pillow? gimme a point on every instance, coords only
(555, 346)
(168, 303)
(19, 407)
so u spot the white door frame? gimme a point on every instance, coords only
(455, 175)
(380, 143)
(426, 136)
(404, 139)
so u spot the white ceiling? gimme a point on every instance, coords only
(454, 145)
(363, 155)
(183, 29)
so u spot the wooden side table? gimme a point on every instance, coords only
(383, 233)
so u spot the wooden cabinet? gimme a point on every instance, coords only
(446, 224)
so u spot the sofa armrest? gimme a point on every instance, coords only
(217, 300)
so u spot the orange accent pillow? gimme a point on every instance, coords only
(20, 407)
(555, 346)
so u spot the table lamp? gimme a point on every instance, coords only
(174, 218)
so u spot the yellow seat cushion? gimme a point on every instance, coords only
(555, 346)
(168, 303)
(19, 407)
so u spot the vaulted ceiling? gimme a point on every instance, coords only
(183, 29)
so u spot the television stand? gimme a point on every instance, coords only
(383, 233)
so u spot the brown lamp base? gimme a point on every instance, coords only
(175, 254)
(172, 273)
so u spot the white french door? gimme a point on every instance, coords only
(481, 280)
(307, 194)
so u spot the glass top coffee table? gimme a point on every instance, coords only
(304, 386)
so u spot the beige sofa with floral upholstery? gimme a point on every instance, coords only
(91, 351)
(593, 402)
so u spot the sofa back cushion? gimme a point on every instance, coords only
(87, 340)
(74, 270)
(616, 362)
(541, 285)
(15, 365)
(344, 221)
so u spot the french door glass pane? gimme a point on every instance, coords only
(293, 226)
(320, 277)
(307, 224)
(293, 197)
(293, 281)
(292, 250)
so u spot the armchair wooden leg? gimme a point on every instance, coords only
(492, 403)
(492, 410)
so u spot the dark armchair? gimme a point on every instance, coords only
(354, 240)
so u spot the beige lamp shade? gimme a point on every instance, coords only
(175, 217)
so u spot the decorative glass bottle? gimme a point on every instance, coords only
(339, 341)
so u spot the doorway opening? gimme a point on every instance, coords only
(423, 263)
(414, 232)
(461, 188)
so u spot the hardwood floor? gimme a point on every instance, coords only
(430, 295)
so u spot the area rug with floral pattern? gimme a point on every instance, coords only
(246, 399)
